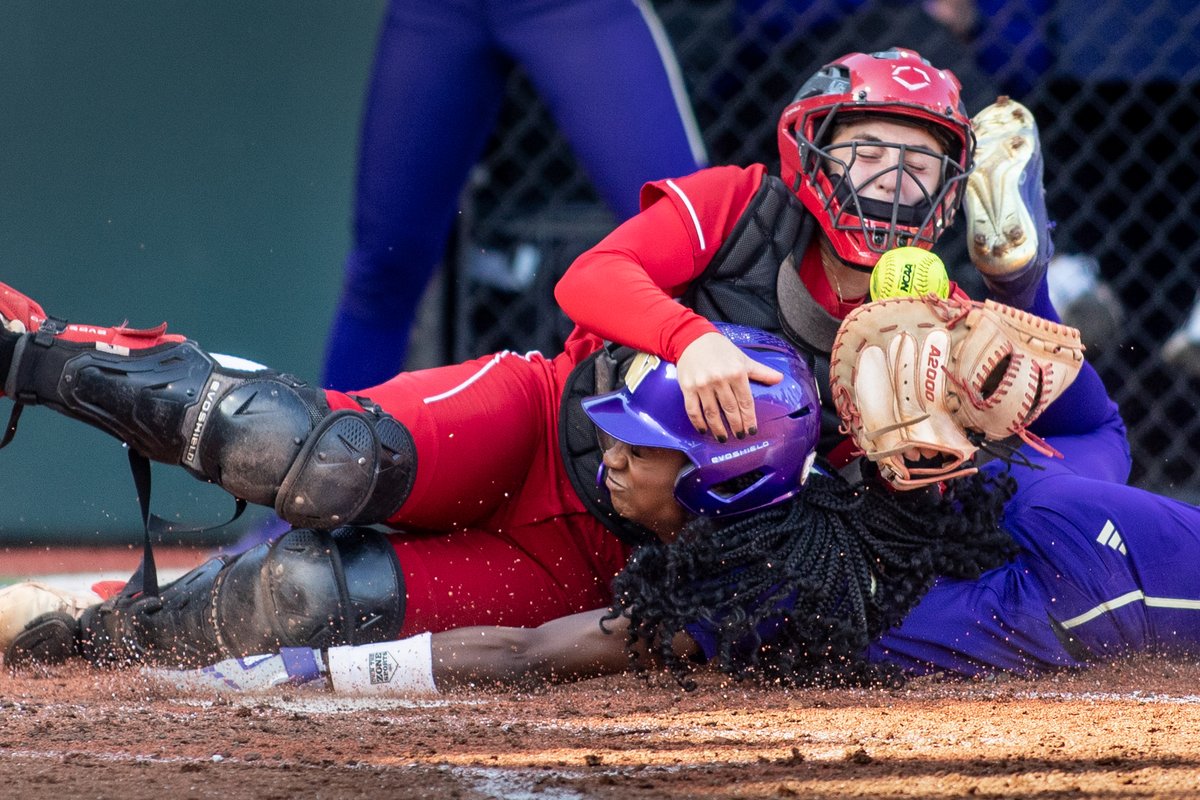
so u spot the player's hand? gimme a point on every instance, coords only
(715, 377)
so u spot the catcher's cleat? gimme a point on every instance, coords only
(48, 639)
(24, 602)
(1008, 230)
(308, 589)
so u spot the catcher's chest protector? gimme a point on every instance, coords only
(739, 284)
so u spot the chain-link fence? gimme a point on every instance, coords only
(1116, 90)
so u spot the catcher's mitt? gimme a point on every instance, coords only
(920, 383)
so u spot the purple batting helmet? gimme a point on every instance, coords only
(741, 475)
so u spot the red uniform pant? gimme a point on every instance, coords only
(492, 533)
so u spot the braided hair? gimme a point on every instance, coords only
(794, 593)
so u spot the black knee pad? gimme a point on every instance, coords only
(355, 468)
(248, 431)
(311, 589)
(273, 440)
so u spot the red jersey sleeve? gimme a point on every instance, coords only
(624, 288)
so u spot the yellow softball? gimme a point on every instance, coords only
(909, 272)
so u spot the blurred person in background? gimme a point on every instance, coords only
(605, 70)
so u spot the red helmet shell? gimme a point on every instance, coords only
(897, 83)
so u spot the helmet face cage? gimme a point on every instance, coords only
(897, 85)
(876, 226)
(738, 476)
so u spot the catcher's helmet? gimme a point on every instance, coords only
(904, 86)
(741, 475)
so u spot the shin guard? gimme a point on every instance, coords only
(264, 436)
(308, 589)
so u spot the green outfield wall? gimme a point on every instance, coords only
(182, 161)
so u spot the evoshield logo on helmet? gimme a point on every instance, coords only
(738, 453)
(910, 77)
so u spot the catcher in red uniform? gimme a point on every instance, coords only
(876, 151)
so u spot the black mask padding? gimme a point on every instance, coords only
(881, 210)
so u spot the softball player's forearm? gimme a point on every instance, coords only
(571, 648)
(565, 649)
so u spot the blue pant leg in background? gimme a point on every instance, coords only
(434, 93)
(613, 85)
(436, 87)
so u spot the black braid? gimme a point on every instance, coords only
(794, 594)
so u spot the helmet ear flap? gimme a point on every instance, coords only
(765, 469)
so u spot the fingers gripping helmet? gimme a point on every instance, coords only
(741, 475)
(897, 84)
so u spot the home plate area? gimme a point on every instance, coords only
(1124, 730)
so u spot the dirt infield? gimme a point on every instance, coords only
(1116, 732)
(1128, 731)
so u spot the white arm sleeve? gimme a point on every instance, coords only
(403, 667)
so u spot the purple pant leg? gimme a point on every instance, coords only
(1105, 570)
